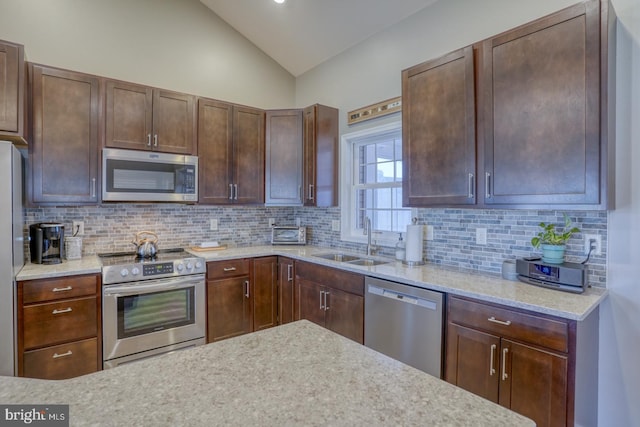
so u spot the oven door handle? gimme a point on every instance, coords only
(156, 286)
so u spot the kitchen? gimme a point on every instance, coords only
(110, 227)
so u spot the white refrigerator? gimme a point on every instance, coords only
(11, 250)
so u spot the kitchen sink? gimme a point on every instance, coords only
(367, 262)
(338, 257)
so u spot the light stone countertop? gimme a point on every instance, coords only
(482, 286)
(295, 374)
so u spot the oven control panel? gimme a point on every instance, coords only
(155, 269)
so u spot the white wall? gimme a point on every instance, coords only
(172, 44)
(619, 371)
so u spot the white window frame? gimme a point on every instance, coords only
(348, 232)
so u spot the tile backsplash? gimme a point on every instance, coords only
(111, 228)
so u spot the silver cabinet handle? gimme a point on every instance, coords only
(230, 191)
(235, 189)
(93, 187)
(326, 301)
(487, 184)
(289, 272)
(227, 269)
(311, 191)
(492, 370)
(56, 355)
(246, 287)
(499, 322)
(66, 288)
(148, 140)
(321, 295)
(64, 310)
(155, 140)
(470, 195)
(504, 363)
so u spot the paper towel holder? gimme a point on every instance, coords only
(414, 221)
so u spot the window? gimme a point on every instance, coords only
(372, 184)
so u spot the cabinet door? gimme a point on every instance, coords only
(128, 116)
(309, 301)
(174, 122)
(320, 166)
(62, 361)
(439, 135)
(264, 291)
(11, 89)
(345, 314)
(542, 111)
(285, 290)
(534, 383)
(248, 155)
(64, 152)
(215, 152)
(283, 174)
(473, 361)
(228, 308)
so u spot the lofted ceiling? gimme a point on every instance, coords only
(300, 34)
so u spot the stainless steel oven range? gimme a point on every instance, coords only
(151, 306)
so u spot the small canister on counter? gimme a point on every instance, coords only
(73, 247)
(509, 270)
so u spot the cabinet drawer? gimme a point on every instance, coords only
(55, 289)
(230, 268)
(334, 278)
(550, 333)
(62, 361)
(57, 322)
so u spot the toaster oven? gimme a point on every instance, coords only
(282, 235)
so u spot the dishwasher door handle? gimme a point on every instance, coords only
(408, 299)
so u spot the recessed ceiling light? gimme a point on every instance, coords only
(279, 1)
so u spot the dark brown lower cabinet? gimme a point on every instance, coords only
(539, 366)
(59, 327)
(330, 298)
(286, 299)
(241, 297)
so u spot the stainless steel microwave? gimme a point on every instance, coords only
(146, 176)
(282, 235)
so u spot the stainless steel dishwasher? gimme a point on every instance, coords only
(405, 323)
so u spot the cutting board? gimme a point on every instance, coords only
(213, 248)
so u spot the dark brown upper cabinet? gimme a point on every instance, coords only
(542, 106)
(320, 167)
(230, 153)
(63, 157)
(12, 85)
(439, 136)
(520, 120)
(144, 118)
(283, 173)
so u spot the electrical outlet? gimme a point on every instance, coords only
(272, 222)
(481, 236)
(213, 224)
(429, 232)
(598, 244)
(77, 228)
(335, 225)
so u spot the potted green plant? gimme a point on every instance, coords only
(552, 241)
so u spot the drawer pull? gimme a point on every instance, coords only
(492, 370)
(64, 310)
(499, 322)
(68, 353)
(66, 288)
(229, 269)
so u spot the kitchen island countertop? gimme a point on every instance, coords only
(295, 374)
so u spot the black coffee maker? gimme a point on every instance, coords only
(46, 243)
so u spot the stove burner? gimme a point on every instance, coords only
(136, 256)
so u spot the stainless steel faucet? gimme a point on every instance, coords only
(371, 249)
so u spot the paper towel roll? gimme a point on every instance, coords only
(414, 243)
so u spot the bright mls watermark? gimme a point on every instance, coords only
(34, 415)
